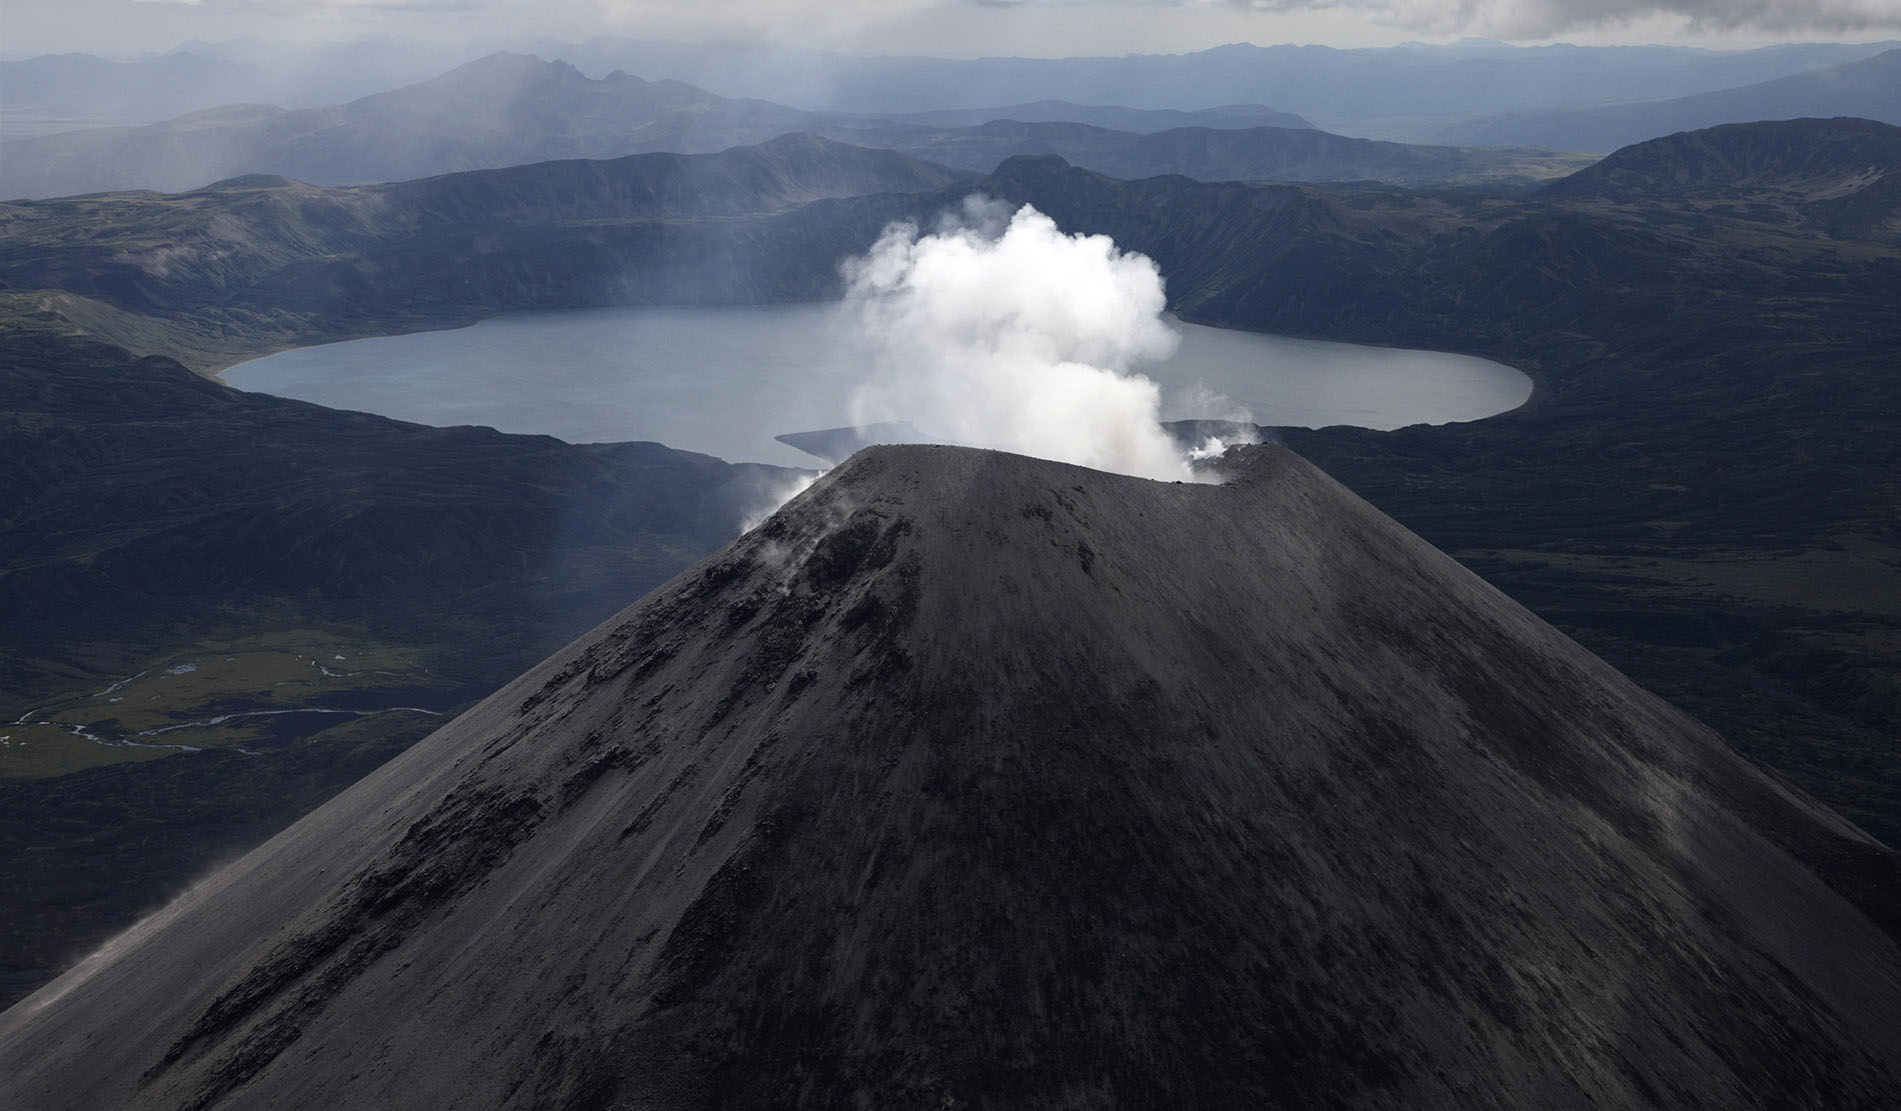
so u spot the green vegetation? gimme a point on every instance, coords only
(259, 264)
(156, 520)
(233, 693)
(84, 855)
(35, 751)
(1852, 575)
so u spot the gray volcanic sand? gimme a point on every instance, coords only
(970, 779)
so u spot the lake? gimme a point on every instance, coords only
(725, 381)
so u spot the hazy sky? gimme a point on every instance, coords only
(944, 27)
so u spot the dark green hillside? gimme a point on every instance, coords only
(142, 496)
(156, 520)
(783, 173)
(256, 264)
(1262, 153)
(1816, 159)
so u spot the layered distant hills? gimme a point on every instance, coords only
(59, 92)
(1473, 92)
(1467, 78)
(1321, 83)
(1218, 154)
(504, 110)
(1141, 120)
(1870, 89)
(510, 109)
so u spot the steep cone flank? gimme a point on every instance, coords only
(975, 780)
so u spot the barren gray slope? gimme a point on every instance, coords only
(975, 779)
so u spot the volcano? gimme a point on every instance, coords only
(971, 780)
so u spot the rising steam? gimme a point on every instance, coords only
(997, 330)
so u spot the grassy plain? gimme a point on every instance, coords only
(222, 693)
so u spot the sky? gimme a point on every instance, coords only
(945, 27)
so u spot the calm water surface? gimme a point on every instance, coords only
(726, 381)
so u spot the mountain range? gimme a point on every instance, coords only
(1225, 154)
(1869, 89)
(1467, 78)
(60, 92)
(971, 779)
(1324, 84)
(1139, 120)
(510, 109)
(501, 111)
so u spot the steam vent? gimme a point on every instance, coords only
(970, 780)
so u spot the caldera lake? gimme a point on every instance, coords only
(725, 381)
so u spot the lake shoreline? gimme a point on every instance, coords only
(726, 380)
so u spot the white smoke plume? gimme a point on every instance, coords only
(775, 496)
(1001, 331)
(1214, 447)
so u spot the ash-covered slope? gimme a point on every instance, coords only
(974, 779)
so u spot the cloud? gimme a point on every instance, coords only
(1542, 18)
(954, 28)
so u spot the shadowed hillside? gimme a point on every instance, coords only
(1222, 154)
(1845, 173)
(158, 521)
